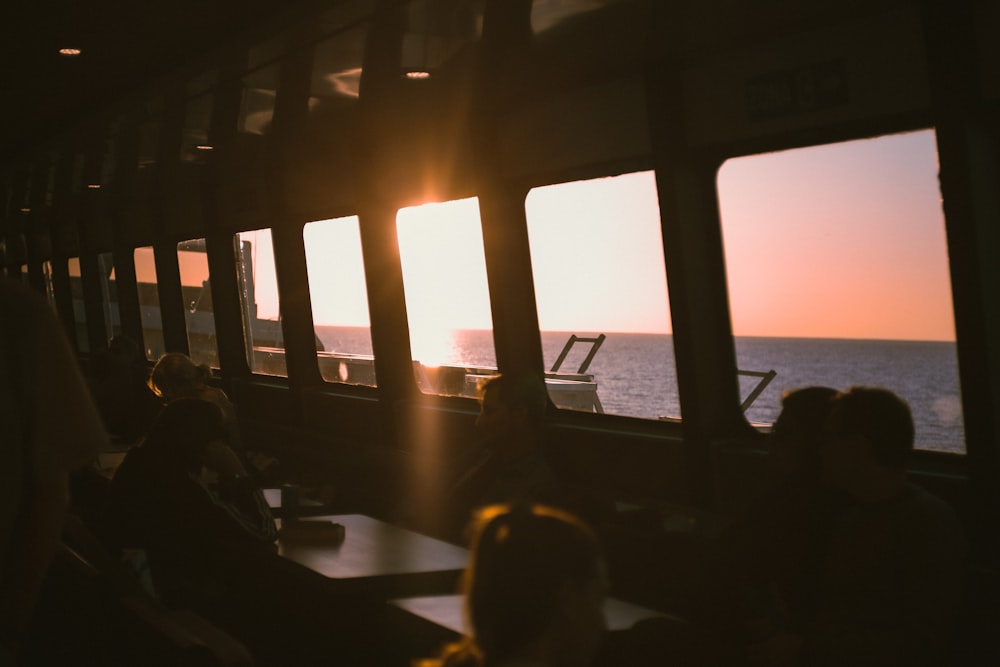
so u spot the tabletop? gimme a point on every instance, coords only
(373, 548)
(447, 611)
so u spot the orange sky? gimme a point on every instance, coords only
(843, 241)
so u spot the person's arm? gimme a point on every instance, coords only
(35, 542)
(238, 497)
(63, 432)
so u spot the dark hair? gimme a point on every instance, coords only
(183, 430)
(879, 415)
(803, 417)
(522, 557)
(525, 390)
(809, 407)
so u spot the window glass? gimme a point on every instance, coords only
(597, 263)
(109, 294)
(259, 297)
(336, 73)
(447, 299)
(260, 89)
(50, 293)
(79, 310)
(547, 14)
(196, 289)
(149, 303)
(149, 136)
(838, 275)
(436, 32)
(339, 300)
(194, 138)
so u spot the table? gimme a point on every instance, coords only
(307, 506)
(420, 626)
(379, 557)
(447, 611)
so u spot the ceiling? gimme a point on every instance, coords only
(123, 43)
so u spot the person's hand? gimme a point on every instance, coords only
(222, 460)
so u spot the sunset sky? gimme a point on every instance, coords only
(842, 241)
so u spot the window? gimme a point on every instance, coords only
(109, 294)
(838, 275)
(447, 298)
(149, 303)
(339, 300)
(436, 32)
(257, 106)
(597, 263)
(79, 306)
(195, 146)
(196, 290)
(50, 292)
(259, 297)
(547, 14)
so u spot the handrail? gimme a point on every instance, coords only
(595, 341)
(765, 379)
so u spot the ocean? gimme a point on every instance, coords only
(636, 375)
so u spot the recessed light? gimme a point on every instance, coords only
(204, 147)
(69, 52)
(94, 186)
(418, 75)
(25, 210)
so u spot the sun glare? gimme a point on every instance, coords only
(444, 275)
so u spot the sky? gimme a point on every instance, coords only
(840, 241)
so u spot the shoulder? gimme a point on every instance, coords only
(67, 430)
(931, 521)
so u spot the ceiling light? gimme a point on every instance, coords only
(204, 147)
(25, 210)
(94, 186)
(418, 75)
(69, 52)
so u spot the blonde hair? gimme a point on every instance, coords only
(176, 376)
(522, 555)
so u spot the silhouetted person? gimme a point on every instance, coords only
(774, 549)
(890, 582)
(50, 427)
(127, 404)
(535, 590)
(511, 464)
(184, 497)
(176, 376)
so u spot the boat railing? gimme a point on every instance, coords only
(765, 379)
(595, 345)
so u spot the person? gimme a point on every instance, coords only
(185, 498)
(511, 464)
(534, 591)
(890, 583)
(51, 428)
(773, 549)
(176, 376)
(121, 392)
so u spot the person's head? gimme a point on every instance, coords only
(535, 583)
(511, 406)
(125, 349)
(176, 376)
(182, 432)
(868, 427)
(798, 432)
